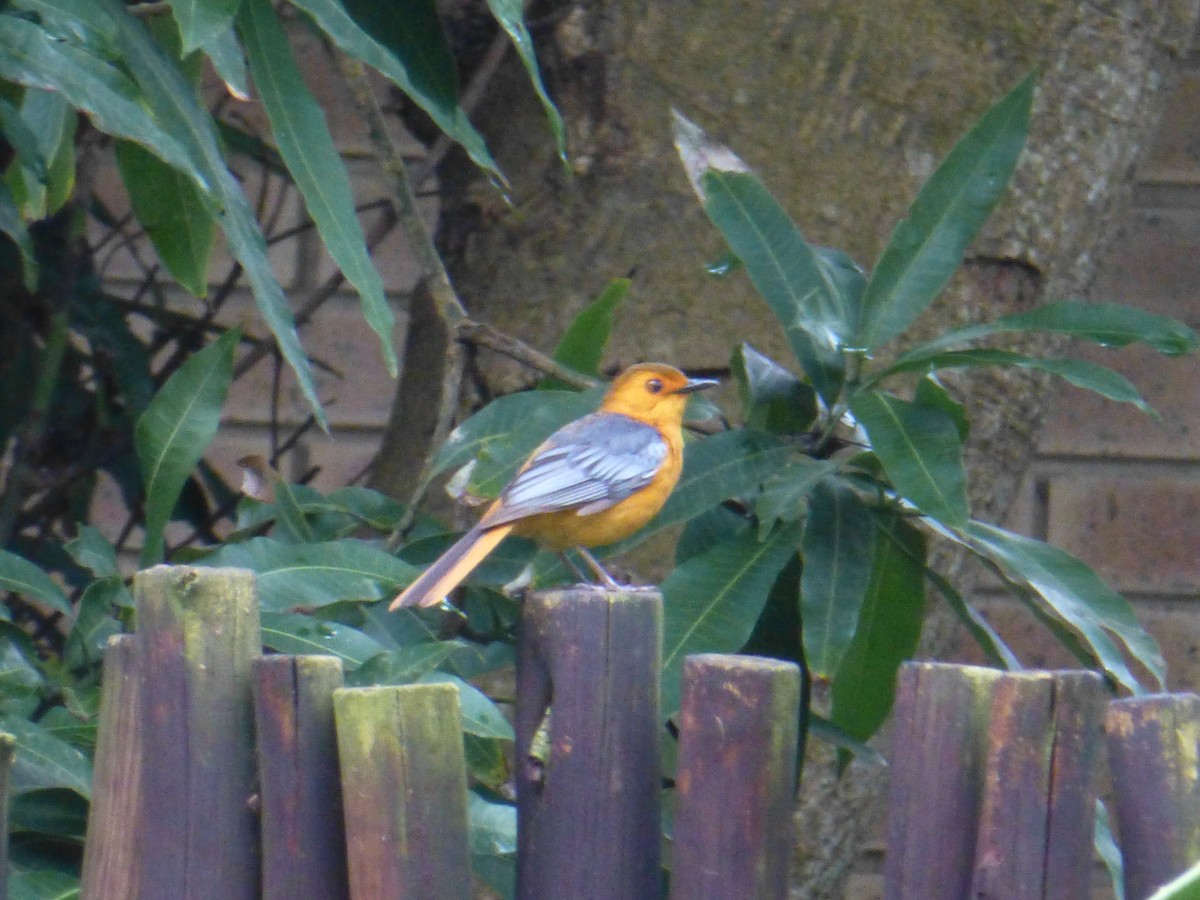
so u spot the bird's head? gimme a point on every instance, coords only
(652, 392)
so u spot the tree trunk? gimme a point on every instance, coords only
(843, 108)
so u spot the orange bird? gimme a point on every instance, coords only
(594, 481)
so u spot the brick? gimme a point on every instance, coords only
(1151, 263)
(341, 456)
(1140, 534)
(1174, 155)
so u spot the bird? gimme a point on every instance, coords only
(594, 481)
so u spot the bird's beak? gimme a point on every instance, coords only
(697, 384)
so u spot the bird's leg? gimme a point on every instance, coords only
(594, 564)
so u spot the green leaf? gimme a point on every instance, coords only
(1077, 596)
(229, 62)
(173, 212)
(53, 811)
(22, 577)
(303, 138)
(95, 623)
(927, 247)
(713, 600)
(403, 665)
(921, 452)
(12, 225)
(31, 56)
(172, 434)
(511, 16)
(201, 21)
(997, 652)
(804, 293)
(583, 344)
(887, 632)
(408, 67)
(44, 761)
(1108, 851)
(480, 716)
(773, 399)
(174, 103)
(1107, 324)
(92, 550)
(932, 393)
(294, 576)
(785, 494)
(42, 884)
(1079, 372)
(22, 138)
(838, 550)
(290, 519)
(306, 635)
(717, 468)
(493, 827)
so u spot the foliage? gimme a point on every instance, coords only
(805, 528)
(118, 382)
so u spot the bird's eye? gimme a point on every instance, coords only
(654, 386)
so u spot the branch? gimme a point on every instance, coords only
(486, 336)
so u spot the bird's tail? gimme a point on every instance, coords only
(452, 567)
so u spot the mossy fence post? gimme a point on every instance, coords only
(1153, 751)
(992, 783)
(197, 633)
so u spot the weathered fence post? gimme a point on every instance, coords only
(303, 838)
(588, 806)
(735, 781)
(110, 863)
(1039, 802)
(404, 784)
(197, 633)
(8, 749)
(992, 787)
(1153, 746)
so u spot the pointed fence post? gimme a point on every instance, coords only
(303, 837)
(1153, 747)
(735, 782)
(110, 860)
(197, 632)
(588, 764)
(404, 787)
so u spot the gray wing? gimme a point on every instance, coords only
(590, 464)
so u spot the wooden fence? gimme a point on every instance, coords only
(221, 773)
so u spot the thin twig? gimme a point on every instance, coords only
(486, 336)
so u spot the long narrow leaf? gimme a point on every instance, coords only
(1107, 324)
(31, 56)
(298, 124)
(314, 575)
(301, 634)
(921, 452)
(838, 549)
(172, 434)
(583, 343)
(201, 21)
(172, 210)
(1077, 596)
(713, 600)
(45, 761)
(12, 225)
(887, 631)
(952, 206)
(511, 16)
(350, 37)
(804, 295)
(20, 576)
(174, 103)
(1079, 372)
